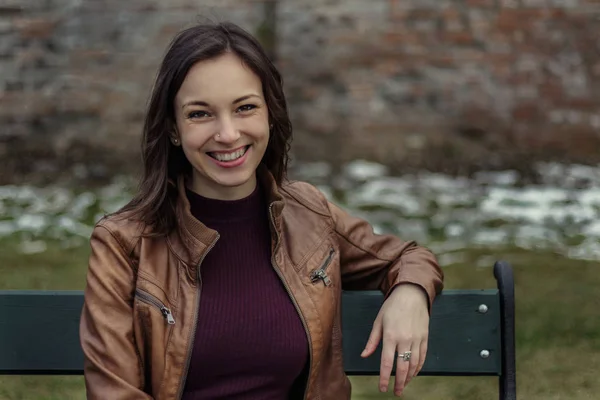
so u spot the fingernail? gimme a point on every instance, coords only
(383, 388)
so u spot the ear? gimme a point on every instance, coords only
(174, 137)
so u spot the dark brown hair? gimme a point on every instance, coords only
(163, 163)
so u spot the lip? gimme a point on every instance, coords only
(231, 164)
(227, 151)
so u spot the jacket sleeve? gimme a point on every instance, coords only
(112, 366)
(369, 261)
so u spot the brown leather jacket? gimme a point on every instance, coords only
(142, 294)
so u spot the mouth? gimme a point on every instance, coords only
(223, 156)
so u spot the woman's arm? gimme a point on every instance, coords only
(369, 261)
(112, 366)
(410, 277)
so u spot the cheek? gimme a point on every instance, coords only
(195, 137)
(259, 131)
(256, 125)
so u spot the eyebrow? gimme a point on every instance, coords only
(205, 104)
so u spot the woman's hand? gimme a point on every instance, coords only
(403, 323)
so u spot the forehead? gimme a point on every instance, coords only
(220, 79)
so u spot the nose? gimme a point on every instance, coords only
(228, 132)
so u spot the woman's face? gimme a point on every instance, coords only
(222, 126)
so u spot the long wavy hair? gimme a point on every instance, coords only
(163, 163)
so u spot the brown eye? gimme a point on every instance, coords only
(246, 108)
(197, 114)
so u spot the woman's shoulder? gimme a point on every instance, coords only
(122, 227)
(307, 195)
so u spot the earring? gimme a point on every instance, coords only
(175, 141)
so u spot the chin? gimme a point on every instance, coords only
(233, 178)
(234, 181)
(231, 182)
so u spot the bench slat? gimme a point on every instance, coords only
(39, 333)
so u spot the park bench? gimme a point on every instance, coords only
(472, 333)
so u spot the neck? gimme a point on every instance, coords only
(213, 212)
(215, 191)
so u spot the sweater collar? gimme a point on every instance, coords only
(214, 212)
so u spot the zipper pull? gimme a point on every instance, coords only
(320, 275)
(168, 315)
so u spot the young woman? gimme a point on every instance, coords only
(221, 279)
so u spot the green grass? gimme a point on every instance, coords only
(54, 269)
(558, 329)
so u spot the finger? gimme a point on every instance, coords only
(423, 355)
(414, 362)
(374, 338)
(387, 363)
(401, 368)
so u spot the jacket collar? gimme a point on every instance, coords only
(192, 239)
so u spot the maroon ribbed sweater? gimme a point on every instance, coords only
(250, 342)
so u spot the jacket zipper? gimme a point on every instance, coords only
(278, 271)
(193, 335)
(153, 301)
(321, 272)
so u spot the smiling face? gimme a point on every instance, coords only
(222, 126)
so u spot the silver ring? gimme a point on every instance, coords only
(405, 356)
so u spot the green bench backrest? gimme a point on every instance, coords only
(39, 333)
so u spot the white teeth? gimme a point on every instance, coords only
(229, 156)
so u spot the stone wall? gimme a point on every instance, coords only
(441, 84)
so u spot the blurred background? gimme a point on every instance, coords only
(472, 126)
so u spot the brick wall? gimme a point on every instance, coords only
(445, 84)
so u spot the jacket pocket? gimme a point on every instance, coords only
(320, 274)
(153, 301)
